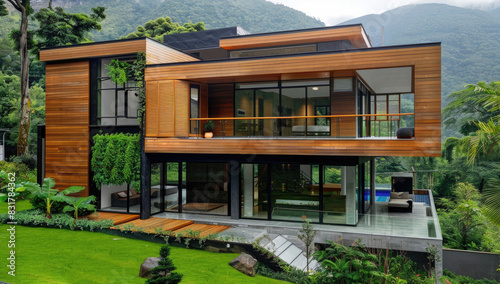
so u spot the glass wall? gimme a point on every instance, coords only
(253, 187)
(120, 198)
(207, 188)
(293, 195)
(289, 98)
(323, 193)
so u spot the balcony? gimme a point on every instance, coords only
(365, 126)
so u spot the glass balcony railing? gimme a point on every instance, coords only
(311, 127)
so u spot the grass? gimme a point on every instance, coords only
(20, 205)
(45, 255)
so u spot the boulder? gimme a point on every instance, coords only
(147, 265)
(244, 263)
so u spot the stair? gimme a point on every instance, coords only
(290, 253)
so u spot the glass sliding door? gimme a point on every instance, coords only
(244, 107)
(207, 188)
(293, 195)
(175, 184)
(293, 103)
(253, 191)
(318, 104)
(340, 203)
(156, 188)
(266, 105)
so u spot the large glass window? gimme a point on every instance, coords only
(117, 104)
(294, 98)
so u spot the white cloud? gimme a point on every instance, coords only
(333, 12)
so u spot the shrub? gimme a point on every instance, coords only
(36, 217)
(26, 159)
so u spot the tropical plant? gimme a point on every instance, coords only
(164, 272)
(47, 193)
(21, 190)
(77, 203)
(349, 264)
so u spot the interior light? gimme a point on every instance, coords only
(315, 88)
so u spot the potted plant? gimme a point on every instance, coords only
(209, 126)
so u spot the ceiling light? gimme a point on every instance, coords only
(315, 88)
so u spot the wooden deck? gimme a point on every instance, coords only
(150, 224)
(204, 229)
(117, 218)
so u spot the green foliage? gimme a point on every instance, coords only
(27, 159)
(491, 199)
(462, 223)
(209, 126)
(307, 234)
(58, 27)
(254, 16)
(164, 26)
(77, 203)
(164, 272)
(118, 71)
(36, 217)
(47, 193)
(451, 278)
(116, 159)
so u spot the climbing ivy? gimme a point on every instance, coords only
(116, 159)
(121, 72)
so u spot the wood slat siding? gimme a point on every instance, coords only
(93, 50)
(221, 104)
(343, 103)
(354, 34)
(67, 124)
(167, 108)
(426, 61)
(166, 113)
(157, 53)
(182, 103)
(361, 147)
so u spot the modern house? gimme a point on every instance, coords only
(299, 117)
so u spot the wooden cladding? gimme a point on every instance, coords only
(343, 103)
(167, 108)
(221, 104)
(333, 147)
(156, 52)
(67, 124)
(425, 61)
(355, 34)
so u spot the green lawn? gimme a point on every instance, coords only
(20, 205)
(62, 256)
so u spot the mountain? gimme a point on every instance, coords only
(255, 16)
(470, 40)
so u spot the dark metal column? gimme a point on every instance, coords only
(372, 182)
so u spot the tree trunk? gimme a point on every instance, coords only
(24, 124)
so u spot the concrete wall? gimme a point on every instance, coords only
(477, 265)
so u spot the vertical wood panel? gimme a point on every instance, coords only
(221, 104)
(343, 103)
(152, 109)
(67, 120)
(166, 113)
(181, 108)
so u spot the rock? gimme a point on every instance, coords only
(244, 263)
(147, 265)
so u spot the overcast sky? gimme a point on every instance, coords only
(333, 12)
